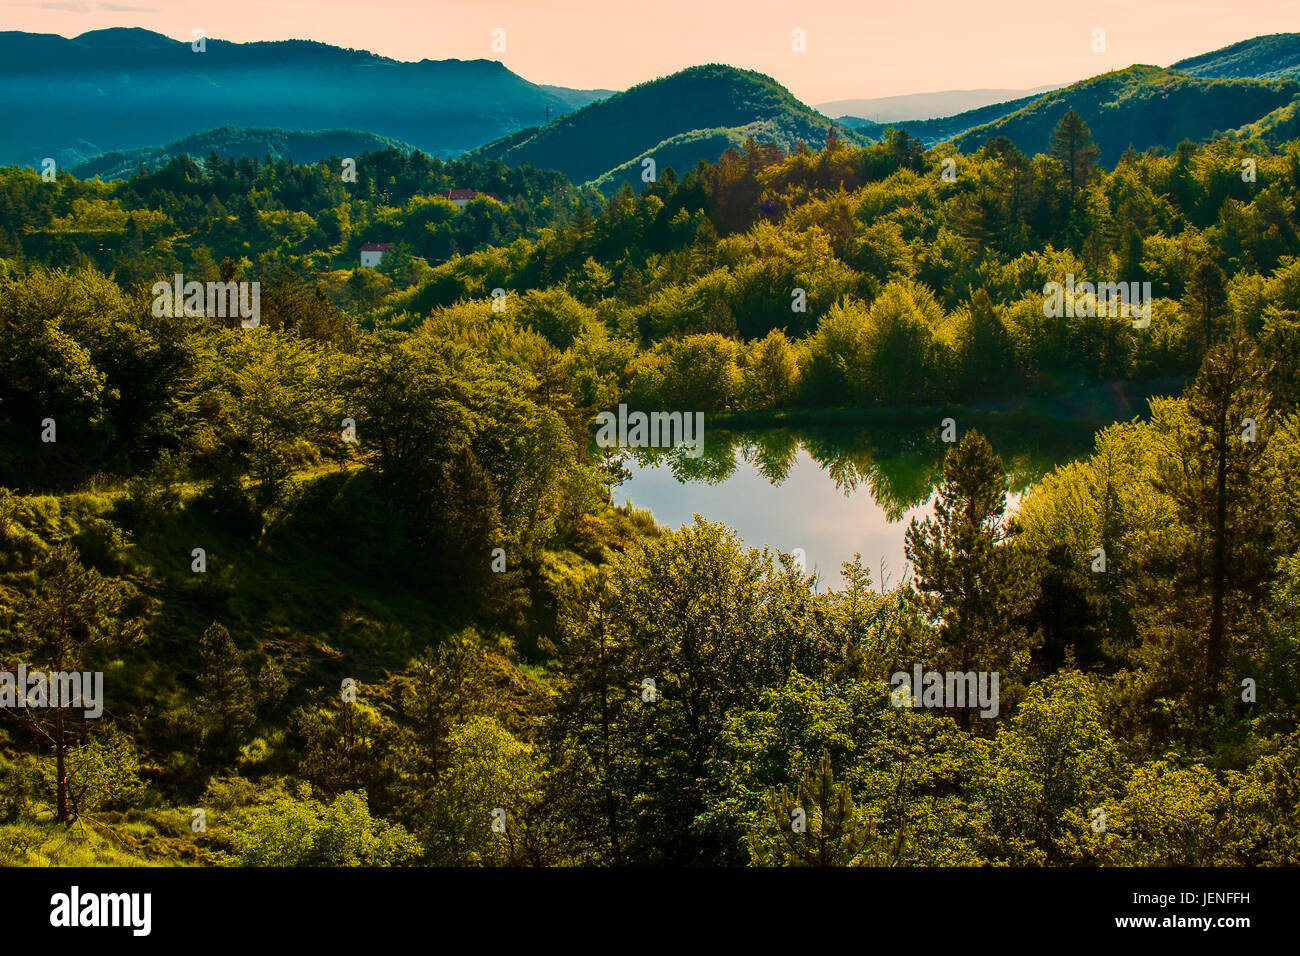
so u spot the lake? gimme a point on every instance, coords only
(832, 490)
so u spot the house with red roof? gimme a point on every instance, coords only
(372, 253)
(462, 197)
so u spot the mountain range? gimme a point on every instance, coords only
(103, 102)
(923, 106)
(1249, 87)
(127, 88)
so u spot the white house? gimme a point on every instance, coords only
(372, 253)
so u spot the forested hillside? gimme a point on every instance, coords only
(685, 112)
(1141, 106)
(1264, 57)
(359, 592)
(230, 142)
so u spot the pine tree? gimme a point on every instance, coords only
(227, 693)
(1072, 145)
(1207, 299)
(72, 610)
(967, 577)
(819, 825)
(1217, 480)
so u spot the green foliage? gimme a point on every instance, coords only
(974, 585)
(819, 826)
(300, 831)
(227, 700)
(1047, 770)
(622, 693)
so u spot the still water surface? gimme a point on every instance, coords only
(831, 490)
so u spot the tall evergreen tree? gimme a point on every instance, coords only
(227, 694)
(72, 611)
(1072, 144)
(973, 585)
(819, 825)
(1217, 480)
(1207, 299)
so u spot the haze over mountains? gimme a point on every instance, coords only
(140, 97)
(923, 106)
(123, 88)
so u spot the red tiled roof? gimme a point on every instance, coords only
(468, 194)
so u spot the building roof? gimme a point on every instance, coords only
(376, 247)
(468, 194)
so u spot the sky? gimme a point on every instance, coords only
(852, 48)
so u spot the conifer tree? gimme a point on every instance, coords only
(819, 825)
(227, 693)
(1217, 479)
(72, 611)
(969, 580)
(1072, 144)
(1207, 299)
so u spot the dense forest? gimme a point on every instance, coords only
(359, 592)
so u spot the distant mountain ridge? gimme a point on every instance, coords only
(933, 131)
(1271, 57)
(913, 107)
(101, 103)
(127, 88)
(679, 119)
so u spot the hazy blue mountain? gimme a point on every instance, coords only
(923, 106)
(234, 142)
(1264, 57)
(678, 119)
(125, 88)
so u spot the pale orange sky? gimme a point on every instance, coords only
(855, 48)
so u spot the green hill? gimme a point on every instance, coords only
(1141, 106)
(233, 142)
(1275, 56)
(679, 119)
(1279, 126)
(1266, 57)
